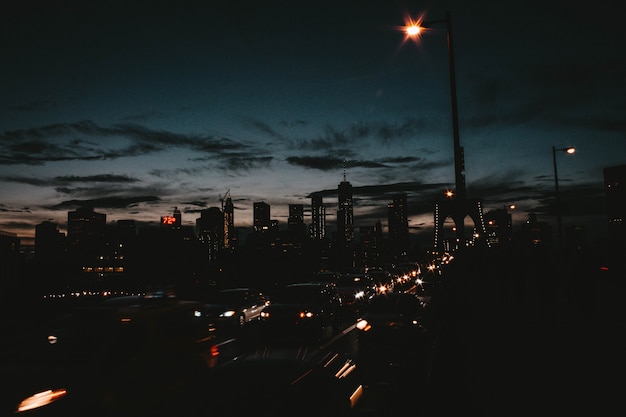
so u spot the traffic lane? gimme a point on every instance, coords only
(184, 393)
(395, 378)
(377, 388)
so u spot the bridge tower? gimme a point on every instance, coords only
(456, 205)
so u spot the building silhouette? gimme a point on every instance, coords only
(49, 242)
(210, 228)
(85, 233)
(318, 217)
(230, 233)
(169, 254)
(345, 224)
(615, 198)
(295, 222)
(371, 245)
(174, 221)
(534, 233)
(9, 260)
(499, 227)
(261, 221)
(398, 224)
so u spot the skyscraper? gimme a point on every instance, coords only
(345, 223)
(230, 235)
(345, 219)
(318, 217)
(398, 222)
(210, 231)
(295, 221)
(261, 220)
(85, 230)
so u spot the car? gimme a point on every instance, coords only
(382, 278)
(287, 382)
(394, 343)
(355, 289)
(302, 309)
(234, 308)
(392, 322)
(123, 356)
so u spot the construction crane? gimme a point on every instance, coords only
(224, 197)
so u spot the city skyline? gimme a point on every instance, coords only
(174, 105)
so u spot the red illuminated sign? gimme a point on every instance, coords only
(168, 220)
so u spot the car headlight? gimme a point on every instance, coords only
(363, 325)
(306, 314)
(228, 313)
(40, 399)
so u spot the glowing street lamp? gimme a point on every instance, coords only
(570, 150)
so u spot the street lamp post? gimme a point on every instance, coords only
(457, 206)
(569, 150)
(414, 30)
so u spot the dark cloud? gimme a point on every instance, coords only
(57, 181)
(365, 164)
(381, 132)
(199, 204)
(243, 163)
(105, 202)
(322, 163)
(329, 163)
(71, 141)
(400, 159)
(27, 180)
(96, 178)
(5, 209)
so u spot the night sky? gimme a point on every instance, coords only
(138, 107)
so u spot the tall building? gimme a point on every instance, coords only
(371, 239)
(345, 223)
(397, 217)
(535, 233)
(118, 255)
(345, 214)
(178, 216)
(615, 197)
(498, 224)
(85, 231)
(318, 217)
(49, 242)
(295, 221)
(230, 234)
(10, 247)
(261, 221)
(210, 230)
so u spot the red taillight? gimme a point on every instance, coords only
(215, 351)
